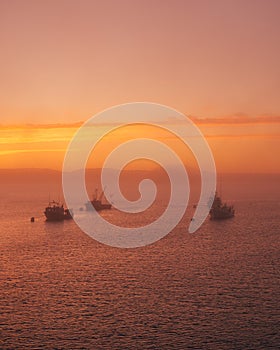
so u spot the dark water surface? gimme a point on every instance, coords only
(215, 289)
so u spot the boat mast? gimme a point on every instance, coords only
(220, 184)
(95, 195)
(101, 196)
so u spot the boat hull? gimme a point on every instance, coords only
(57, 213)
(220, 210)
(220, 214)
(97, 205)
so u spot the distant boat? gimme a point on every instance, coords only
(97, 204)
(56, 212)
(220, 210)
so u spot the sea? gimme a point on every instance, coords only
(217, 288)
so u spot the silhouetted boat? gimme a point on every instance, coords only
(97, 204)
(56, 212)
(220, 210)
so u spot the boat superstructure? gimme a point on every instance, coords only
(220, 210)
(96, 203)
(56, 212)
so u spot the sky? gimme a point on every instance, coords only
(217, 61)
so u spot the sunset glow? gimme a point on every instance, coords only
(139, 174)
(237, 147)
(64, 61)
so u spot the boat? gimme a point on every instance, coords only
(56, 212)
(220, 210)
(96, 203)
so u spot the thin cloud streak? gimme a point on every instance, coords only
(236, 119)
(16, 151)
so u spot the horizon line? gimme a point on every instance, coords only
(138, 170)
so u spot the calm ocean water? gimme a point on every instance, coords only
(216, 289)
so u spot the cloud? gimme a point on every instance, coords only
(16, 151)
(40, 126)
(239, 118)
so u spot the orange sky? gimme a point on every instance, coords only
(250, 146)
(63, 61)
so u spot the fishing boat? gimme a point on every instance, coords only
(96, 203)
(56, 212)
(220, 210)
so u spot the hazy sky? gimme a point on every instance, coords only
(62, 61)
(65, 60)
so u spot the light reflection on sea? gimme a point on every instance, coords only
(215, 289)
